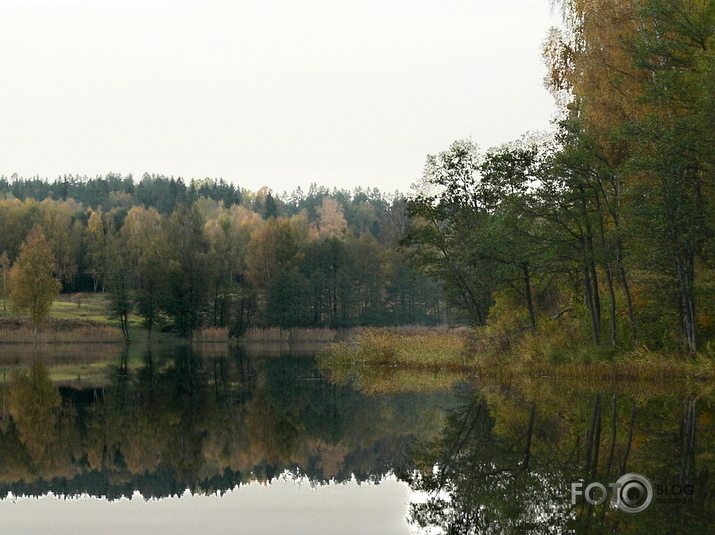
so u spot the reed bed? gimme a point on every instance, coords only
(275, 334)
(426, 349)
(326, 335)
(211, 335)
(373, 352)
(20, 331)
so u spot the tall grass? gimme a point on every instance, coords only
(382, 361)
(326, 335)
(424, 349)
(561, 349)
(559, 353)
(16, 331)
(211, 335)
(275, 334)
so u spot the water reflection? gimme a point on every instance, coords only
(486, 457)
(170, 420)
(508, 455)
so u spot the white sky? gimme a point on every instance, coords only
(278, 93)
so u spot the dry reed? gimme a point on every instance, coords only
(20, 331)
(447, 350)
(275, 334)
(211, 335)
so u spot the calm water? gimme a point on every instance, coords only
(183, 440)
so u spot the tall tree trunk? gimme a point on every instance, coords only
(685, 263)
(608, 264)
(594, 288)
(612, 297)
(626, 291)
(527, 294)
(591, 305)
(215, 307)
(594, 299)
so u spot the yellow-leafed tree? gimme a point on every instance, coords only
(33, 285)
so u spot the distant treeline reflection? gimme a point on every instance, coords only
(182, 421)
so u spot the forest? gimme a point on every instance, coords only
(601, 233)
(597, 234)
(208, 254)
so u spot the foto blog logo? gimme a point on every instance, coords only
(632, 493)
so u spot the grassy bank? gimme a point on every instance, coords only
(560, 348)
(20, 330)
(73, 318)
(456, 351)
(83, 318)
(426, 350)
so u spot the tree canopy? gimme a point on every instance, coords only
(609, 222)
(33, 285)
(325, 258)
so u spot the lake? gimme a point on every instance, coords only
(256, 439)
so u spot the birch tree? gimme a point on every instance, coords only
(33, 285)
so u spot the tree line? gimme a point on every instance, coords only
(607, 225)
(600, 233)
(325, 258)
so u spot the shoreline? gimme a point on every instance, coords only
(415, 348)
(450, 352)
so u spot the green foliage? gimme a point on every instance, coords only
(639, 144)
(287, 300)
(613, 219)
(186, 292)
(33, 285)
(452, 211)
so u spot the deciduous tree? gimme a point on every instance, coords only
(95, 240)
(33, 284)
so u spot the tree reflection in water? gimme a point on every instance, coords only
(475, 481)
(507, 456)
(188, 418)
(502, 460)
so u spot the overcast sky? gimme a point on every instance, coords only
(278, 93)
